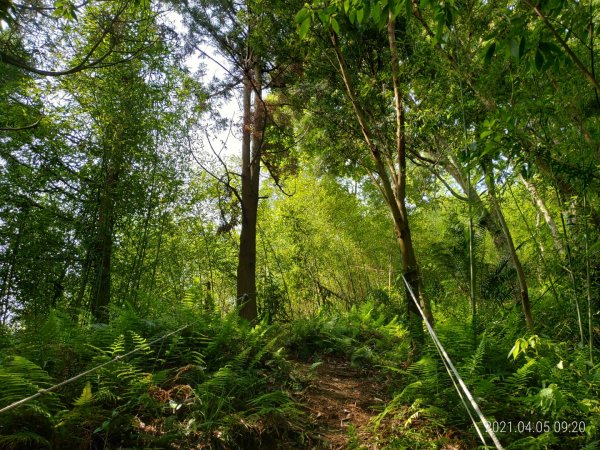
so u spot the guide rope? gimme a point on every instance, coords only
(87, 372)
(456, 378)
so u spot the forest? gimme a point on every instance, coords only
(286, 224)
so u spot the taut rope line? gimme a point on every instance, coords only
(87, 372)
(460, 381)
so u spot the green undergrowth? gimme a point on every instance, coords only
(544, 395)
(220, 383)
(366, 335)
(216, 384)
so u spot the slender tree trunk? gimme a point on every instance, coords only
(252, 137)
(516, 262)
(565, 187)
(392, 186)
(541, 205)
(137, 266)
(103, 246)
(409, 259)
(486, 220)
(163, 221)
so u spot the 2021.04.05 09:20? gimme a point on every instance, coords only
(539, 426)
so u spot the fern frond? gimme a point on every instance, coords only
(474, 364)
(519, 380)
(86, 396)
(23, 439)
(21, 378)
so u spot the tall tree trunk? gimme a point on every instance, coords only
(137, 266)
(486, 220)
(392, 185)
(252, 137)
(541, 205)
(516, 262)
(565, 186)
(103, 245)
(409, 259)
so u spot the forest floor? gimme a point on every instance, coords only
(341, 401)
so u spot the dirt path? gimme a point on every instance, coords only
(341, 400)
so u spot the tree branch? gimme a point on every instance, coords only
(26, 127)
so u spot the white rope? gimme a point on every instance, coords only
(463, 401)
(460, 381)
(87, 372)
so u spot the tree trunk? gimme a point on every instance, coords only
(539, 202)
(252, 138)
(137, 266)
(486, 220)
(565, 187)
(7, 281)
(409, 259)
(392, 185)
(523, 290)
(103, 246)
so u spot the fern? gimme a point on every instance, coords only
(517, 383)
(541, 442)
(23, 439)
(118, 346)
(273, 403)
(140, 343)
(21, 378)
(29, 424)
(474, 365)
(86, 397)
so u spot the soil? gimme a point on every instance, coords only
(341, 400)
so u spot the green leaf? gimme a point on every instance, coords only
(335, 25)
(485, 133)
(314, 365)
(490, 53)
(360, 15)
(522, 47)
(324, 18)
(64, 9)
(439, 31)
(376, 12)
(514, 351)
(304, 28)
(539, 60)
(346, 5)
(302, 15)
(514, 48)
(549, 47)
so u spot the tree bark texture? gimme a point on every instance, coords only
(391, 174)
(252, 139)
(103, 245)
(516, 262)
(541, 205)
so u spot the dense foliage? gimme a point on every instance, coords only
(193, 257)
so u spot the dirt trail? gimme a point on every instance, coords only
(341, 398)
